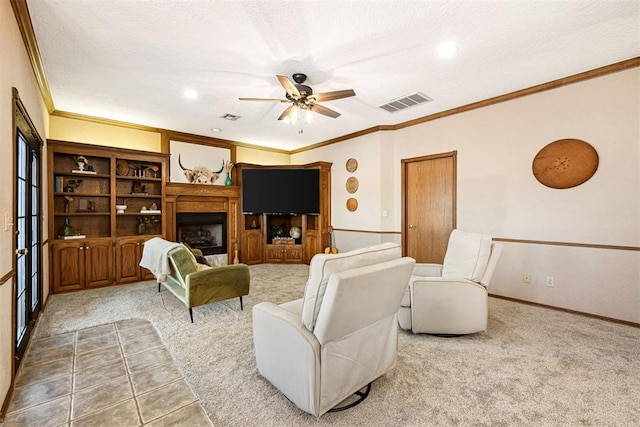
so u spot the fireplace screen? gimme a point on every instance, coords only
(204, 231)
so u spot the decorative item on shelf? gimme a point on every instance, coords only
(277, 231)
(283, 241)
(139, 168)
(295, 232)
(151, 210)
(67, 203)
(137, 188)
(83, 165)
(122, 167)
(121, 208)
(155, 169)
(66, 229)
(228, 168)
(71, 185)
(144, 225)
(85, 205)
(254, 224)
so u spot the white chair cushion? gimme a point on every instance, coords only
(323, 265)
(467, 255)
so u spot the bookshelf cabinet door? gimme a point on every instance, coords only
(68, 266)
(128, 253)
(98, 256)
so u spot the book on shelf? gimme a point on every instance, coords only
(77, 236)
(84, 172)
(58, 184)
(151, 211)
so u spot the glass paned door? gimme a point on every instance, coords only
(28, 240)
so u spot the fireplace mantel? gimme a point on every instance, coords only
(185, 198)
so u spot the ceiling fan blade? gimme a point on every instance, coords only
(324, 110)
(288, 86)
(286, 113)
(264, 99)
(330, 96)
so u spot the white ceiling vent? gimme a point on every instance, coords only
(405, 102)
(231, 117)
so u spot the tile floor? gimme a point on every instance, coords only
(118, 374)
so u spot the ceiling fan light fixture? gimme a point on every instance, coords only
(308, 116)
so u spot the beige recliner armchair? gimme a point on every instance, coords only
(341, 335)
(451, 299)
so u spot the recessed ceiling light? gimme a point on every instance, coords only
(447, 49)
(191, 94)
(215, 130)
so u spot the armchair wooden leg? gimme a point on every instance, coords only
(241, 304)
(191, 314)
(158, 286)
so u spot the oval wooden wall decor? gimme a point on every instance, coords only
(352, 165)
(352, 204)
(565, 163)
(352, 184)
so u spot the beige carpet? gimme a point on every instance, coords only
(534, 366)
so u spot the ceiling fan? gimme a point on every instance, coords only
(303, 99)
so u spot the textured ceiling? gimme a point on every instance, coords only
(131, 60)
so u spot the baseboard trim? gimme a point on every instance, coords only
(567, 310)
(5, 404)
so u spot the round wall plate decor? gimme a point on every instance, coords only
(565, 163)
(352, 165)
(352, 204)
(352, 184)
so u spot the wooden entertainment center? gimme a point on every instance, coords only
(95, 242)
(260, 241)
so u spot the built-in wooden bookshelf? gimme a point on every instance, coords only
(93, 242)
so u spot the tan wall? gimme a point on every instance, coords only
(15, 71)
(498, 194)
(75, 130)
(261, 157)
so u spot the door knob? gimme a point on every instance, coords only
(411, 226)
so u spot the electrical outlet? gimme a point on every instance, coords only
(526, 278)
(550, 281)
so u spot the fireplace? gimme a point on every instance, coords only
(206, 231)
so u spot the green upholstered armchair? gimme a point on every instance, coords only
(196, 286)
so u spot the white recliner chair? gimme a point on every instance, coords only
(341, 335)
(452, 298)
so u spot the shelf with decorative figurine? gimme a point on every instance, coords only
(81, 197)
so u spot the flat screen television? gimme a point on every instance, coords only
(281, 191)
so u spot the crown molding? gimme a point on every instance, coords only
(21, 11)
(598, 72)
